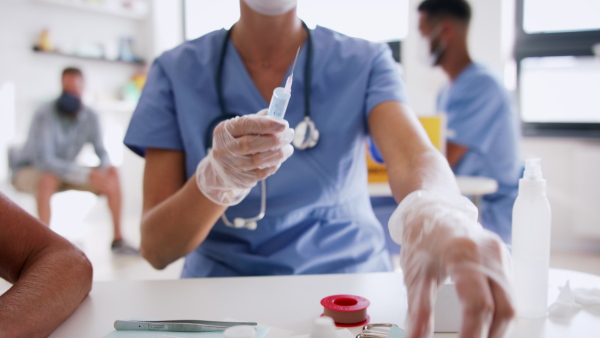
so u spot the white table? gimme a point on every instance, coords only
(289, 302)
(476, 187)
(473, 186)
(468, 186)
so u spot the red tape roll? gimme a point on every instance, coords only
(346, 310)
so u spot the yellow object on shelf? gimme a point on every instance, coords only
(44, 42)
(377, 171)
(435, 126)
(139, 80)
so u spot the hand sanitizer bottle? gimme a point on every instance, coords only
(531, 242)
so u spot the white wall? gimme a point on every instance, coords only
(7, 124)
(37, 76)
(571, 166)
(167, 25)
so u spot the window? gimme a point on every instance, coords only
(376, 20)
(558, 67)
(572, 81)
(552, 16)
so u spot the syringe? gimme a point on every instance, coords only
(281, 95)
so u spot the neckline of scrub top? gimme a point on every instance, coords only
(466, 70)
(248, 79)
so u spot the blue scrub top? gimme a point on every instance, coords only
(481, 117)
(318, 217)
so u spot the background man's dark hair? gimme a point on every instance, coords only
(446, 9)
(72, 71)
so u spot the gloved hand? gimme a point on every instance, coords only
(440, 237)
(245, 150)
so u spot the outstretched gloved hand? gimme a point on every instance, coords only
(440, 237)
(245, 150)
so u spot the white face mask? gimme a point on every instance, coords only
(271, 7)
(426, 52)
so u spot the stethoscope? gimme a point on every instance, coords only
(306, 134)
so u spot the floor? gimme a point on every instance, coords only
(84, 219)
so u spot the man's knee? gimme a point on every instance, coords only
(48, 183)
(113, 174)
(111, 184)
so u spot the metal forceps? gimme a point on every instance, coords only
(381, 330)
(176, 325)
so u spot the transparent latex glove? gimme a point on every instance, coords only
(245, 150)
(440, 237)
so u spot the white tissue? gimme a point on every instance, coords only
(324, 327)
(587, 297)
(565, 304)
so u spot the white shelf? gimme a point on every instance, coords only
(98, 8)
(93, 58)
(126, 107)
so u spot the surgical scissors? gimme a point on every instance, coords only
(181, 325)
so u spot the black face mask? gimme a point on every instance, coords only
(68, 104)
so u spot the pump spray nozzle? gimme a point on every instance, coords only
(533, 169)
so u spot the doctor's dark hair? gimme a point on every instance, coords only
(72, 71)
(446, 9)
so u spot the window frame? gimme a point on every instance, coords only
(575, 43)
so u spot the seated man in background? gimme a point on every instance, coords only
(482, 130)
(46, 164)
(50, 276)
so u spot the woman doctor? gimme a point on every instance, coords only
(318, 217)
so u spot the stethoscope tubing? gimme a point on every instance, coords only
(250, 223)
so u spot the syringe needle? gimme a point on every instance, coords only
(295, 59)
(288, 83)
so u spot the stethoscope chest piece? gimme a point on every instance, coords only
(306, 134)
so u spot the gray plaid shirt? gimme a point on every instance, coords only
(54, 142)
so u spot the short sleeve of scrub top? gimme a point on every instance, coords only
(474, 109)
(385, 80)
(383, 84)
(318, 217)
(154, 123)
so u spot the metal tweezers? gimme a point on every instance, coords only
(181, 325)
(381, 330)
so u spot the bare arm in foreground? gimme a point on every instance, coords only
(50, 276)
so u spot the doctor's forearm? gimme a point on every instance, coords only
(411, 160)
(428, 170)
(175, 227)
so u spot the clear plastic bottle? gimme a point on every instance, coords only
(531, 242)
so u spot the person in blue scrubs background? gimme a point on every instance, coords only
(318, 216)
(482, 126)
